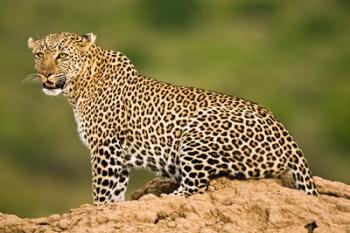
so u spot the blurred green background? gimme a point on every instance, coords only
(291, 56)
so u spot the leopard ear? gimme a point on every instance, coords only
(89, 39)
(32, 43)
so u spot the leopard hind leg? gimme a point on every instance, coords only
(301, 174)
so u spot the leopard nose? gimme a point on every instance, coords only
(47, 73)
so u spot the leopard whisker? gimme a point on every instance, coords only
(31, 78)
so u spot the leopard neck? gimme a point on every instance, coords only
(103, 70)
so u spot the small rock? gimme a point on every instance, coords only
(102, 219)
(207, 230)
(171, 224)
(63, 224)
(54, 217)
(148, 197)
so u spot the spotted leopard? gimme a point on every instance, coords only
(190, 135)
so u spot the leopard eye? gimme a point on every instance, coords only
(39, 55)
(62, 56)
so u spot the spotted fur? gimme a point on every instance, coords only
(191, 135)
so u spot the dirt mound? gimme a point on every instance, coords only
(229, 206)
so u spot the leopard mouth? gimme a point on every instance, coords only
(54, 85)
(59, 84)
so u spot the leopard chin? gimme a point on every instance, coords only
(52, 92)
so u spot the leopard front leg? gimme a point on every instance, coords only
(109, 177)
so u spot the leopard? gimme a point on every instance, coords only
(190, 135)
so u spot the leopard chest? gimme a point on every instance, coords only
(81, 128)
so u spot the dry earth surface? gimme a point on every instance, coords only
(267, 205)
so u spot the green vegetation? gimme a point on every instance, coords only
(292, 57)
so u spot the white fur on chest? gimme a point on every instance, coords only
(80, 128)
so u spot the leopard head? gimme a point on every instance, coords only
(60, 59)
